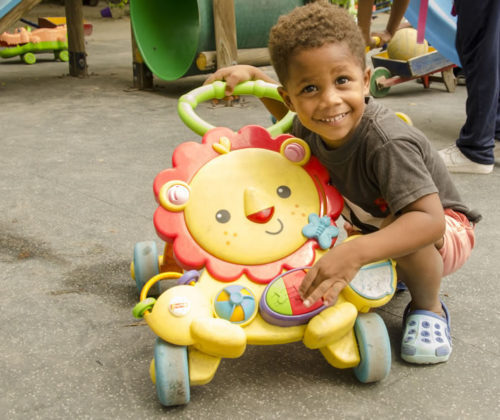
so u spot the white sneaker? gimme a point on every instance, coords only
(457, 162)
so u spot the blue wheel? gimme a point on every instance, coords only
(374, 348)
(146, 265)
(171, 373)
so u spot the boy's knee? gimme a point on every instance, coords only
(423, 260)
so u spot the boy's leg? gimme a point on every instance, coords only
(422, 272)
(426, 330)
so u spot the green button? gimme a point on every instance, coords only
(277, 298)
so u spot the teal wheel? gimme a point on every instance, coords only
(376, 90)
(171, 373)
(62, 55)
(29, 58)
(374, 348)
(146, 265)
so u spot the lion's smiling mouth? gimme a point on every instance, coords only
(278, 231)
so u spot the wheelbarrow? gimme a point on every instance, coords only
(389, 72)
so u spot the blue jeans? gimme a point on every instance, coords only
(478, 47)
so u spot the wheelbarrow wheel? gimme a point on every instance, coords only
(171, 373)
(376, 90)
(146, 265)
(374, 348)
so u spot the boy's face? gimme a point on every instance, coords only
(326, 87)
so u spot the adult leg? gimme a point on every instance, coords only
(478, 47)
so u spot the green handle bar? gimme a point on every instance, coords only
(188, 102)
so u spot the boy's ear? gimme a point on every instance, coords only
(286, 98)
(367, 77)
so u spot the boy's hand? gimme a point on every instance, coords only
(330, 275)
(234, 75)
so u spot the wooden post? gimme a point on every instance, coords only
(207, 60)
(76, 43)
(143, 77)
(225, 33)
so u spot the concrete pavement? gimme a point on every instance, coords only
(77, 162)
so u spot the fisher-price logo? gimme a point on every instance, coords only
(179, 306)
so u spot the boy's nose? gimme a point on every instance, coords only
(331, 96)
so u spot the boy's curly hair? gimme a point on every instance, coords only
(312, 26)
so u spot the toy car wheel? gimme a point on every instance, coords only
(146, 265)
(376, 90)
(374, 348)
(62, 55)
(29, 58)
(171, 373)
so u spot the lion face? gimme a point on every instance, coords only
(238, 202)
(249, 206)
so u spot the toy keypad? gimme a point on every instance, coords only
(374, 281)
(281, 303)
(236, 304)
(373, 285)
(248, 206)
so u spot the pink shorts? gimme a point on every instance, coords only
(458, 241)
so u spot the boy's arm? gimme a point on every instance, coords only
(233, 75)
(420, 224)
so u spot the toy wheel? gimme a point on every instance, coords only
(375, 89)
(146, 265)
(374, 348)
(188, 102)
(171, 373)
(62, 55)
(29, 58)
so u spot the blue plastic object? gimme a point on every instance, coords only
(146, 265)
(6, 6)
(441, 26)
(235, 303)
(171, 373)
(374, 348)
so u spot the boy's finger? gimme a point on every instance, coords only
(231, 82)
(332, 294)
(316, 294)
(307, 281)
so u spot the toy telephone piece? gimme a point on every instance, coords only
(281, 304)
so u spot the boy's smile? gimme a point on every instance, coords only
(326, 87)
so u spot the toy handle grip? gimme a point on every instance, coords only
(216, 90)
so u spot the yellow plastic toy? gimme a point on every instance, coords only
(244, 215)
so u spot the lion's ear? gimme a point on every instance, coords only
(296, 151)
(174, 195)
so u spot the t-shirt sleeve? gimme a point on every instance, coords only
(400, 170)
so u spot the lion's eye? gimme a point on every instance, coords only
(283, 191)
(222, 216)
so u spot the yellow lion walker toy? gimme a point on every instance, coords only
(244, 215)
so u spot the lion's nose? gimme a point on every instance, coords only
(258, 206)
(262, 216)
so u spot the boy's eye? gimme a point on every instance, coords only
(309, 88)
(342, 80)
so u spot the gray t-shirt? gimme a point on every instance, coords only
(384, 167)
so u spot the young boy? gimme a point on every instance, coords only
(396, 188)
